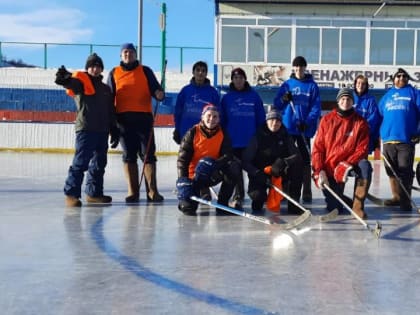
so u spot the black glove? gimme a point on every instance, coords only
(262, 178)
(415, 139)
(279, 168)
(287, 97)
(115, 137)
(176, 136)
(301, 127)
(62, 77)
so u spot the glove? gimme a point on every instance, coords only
(115, 137)
(341, 172)
(287, 97)
(279, 168)
(176, 137)
(62, 77)
(320, 179)
(415, 139)
(261, 178)
(301, 127)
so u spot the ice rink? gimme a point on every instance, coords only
(150, 259)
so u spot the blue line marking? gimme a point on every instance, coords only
(131, 265)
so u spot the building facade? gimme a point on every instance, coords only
(339, 39)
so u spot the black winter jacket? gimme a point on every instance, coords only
(265, 147)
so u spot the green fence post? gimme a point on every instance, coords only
(45, 55)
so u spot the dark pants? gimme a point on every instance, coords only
(239, 186)
(401, 158)
(362, 171)
(306, 158)
(91, 155)
(228, 176)
(135, 129)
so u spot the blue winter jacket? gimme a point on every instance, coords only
(243, 113)
(365, 105)
(190, 102)
(400, 112)
(306, 101)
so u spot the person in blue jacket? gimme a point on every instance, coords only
(191, 100)
(190, 103)
(400, 112)
(366, 106)
(243, 113)
(298, 98)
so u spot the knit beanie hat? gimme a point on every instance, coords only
(273, 114)
(127, 46)
(94, 60)
(345, 92)
(209, 106)
(299, 61)
(237, 71)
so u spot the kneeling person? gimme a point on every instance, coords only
(340, 150)
(205, 159)
(272, 147)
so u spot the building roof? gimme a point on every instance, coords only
(327, 2)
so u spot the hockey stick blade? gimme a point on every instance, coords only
(328, 217)
(378, 228)
(298, 221)
(232, 210)
(376, 200)
(415, 188)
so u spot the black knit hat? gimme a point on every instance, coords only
(94, 60)
(299, 61)
(238, 71)
(273, 114)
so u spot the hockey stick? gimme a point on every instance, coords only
(232, 210)
(306, 212)
(415, 188)
(292, 105)
(376, 200)
(375, 231)
(149, 140)
(401, 183)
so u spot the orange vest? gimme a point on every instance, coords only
(83, 77)
(204, 147)
(132, 91)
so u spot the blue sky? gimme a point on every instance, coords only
(107, 22)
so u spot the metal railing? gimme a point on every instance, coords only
(42, 54)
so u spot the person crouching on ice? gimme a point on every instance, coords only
(272, 152)
(205, 159)
(341, 150)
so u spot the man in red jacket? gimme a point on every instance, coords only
(341, 149)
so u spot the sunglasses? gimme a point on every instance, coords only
(404, 76)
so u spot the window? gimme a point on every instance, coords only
(233, 44)
(256, 44)
(381, 47)
(405, 47)
(279, 45)
(307, 44)
(352, 46)
(330, 46)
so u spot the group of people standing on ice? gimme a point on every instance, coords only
(220, 137)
